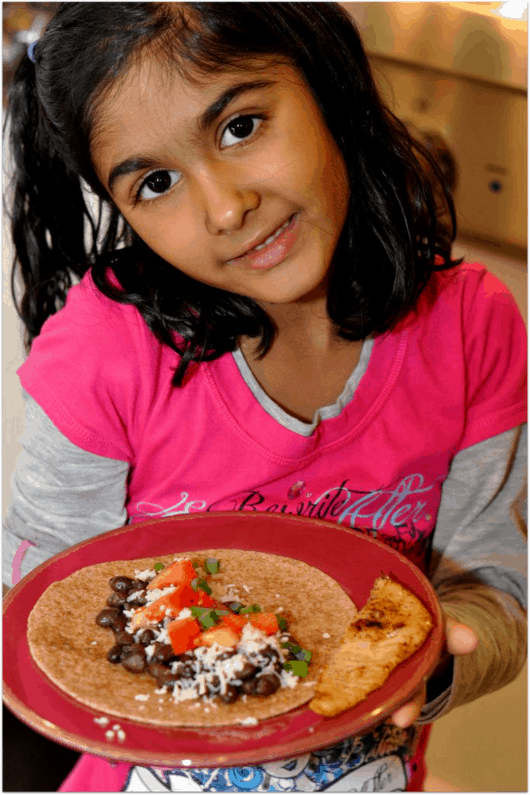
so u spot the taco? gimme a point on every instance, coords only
(72, 649)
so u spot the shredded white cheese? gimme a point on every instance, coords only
(145, 574)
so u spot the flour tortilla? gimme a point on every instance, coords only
(71, 648)
(389, 629)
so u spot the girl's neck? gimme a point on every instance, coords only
(308, 364)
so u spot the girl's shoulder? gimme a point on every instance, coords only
(97, 329)
(468, 293)
(94, 368)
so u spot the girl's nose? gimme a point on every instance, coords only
(226, 203)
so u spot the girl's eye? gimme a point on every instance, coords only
(238, 129)
(156, 184)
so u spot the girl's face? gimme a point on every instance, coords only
(236, 181)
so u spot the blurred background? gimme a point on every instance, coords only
(456, 73)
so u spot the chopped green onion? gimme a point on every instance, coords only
(235, 607)
(197, 611)
(300, 654)
(292, 646)
(297, 667)
(250, 609)
(158, 566)
(282, 623)
(206, 616)
(202, 584)
(212, 566)
(209, 619)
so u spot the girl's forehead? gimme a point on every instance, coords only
(155, 88)
(152, 101)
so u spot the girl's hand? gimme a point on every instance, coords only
(459, 639)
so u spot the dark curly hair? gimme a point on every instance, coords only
(400, 224)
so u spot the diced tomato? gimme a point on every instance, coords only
(266, 622)
(171, 604)
(233, 622)
(182, 632)
(221, 635)
(180, 571)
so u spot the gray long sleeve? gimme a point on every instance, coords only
(478, 566)
(61, 495)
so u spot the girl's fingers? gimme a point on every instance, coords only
(459, 638)
(409, 712)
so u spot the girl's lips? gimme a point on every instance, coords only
(274, 253)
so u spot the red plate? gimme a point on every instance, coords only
(353, 559)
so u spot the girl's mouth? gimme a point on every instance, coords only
(273, 250)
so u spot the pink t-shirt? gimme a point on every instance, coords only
(451, 375)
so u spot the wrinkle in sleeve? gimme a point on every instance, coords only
(479, 565)
(61, 494)
(495, 343)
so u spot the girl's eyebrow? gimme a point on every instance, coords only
(204, 122)
(214, 110)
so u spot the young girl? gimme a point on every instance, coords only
(238, 286)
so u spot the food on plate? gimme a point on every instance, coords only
(388, 630)
(195, 645)
(235, 599)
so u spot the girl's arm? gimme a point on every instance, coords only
(61, 495)
(478, 567)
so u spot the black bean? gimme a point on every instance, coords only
(146, 637)
(114, 654)
(137, 648)
(138, 601)
(121, 584)
(124, 638)
(134, 662)
(225, 655)
(162, 674)
(230, 695)
(107, 617)
(247, 671)
(117, 599)
(139, 585)
(270, 653)
(164, 653)
(266, 684)
(119, 623)
(185, 671)
(248, 686)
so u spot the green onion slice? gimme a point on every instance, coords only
(196, 583)
(158, 566)
(282, 622)
(212, 566)
(297, 667)
(250, 609)
(206, 616)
